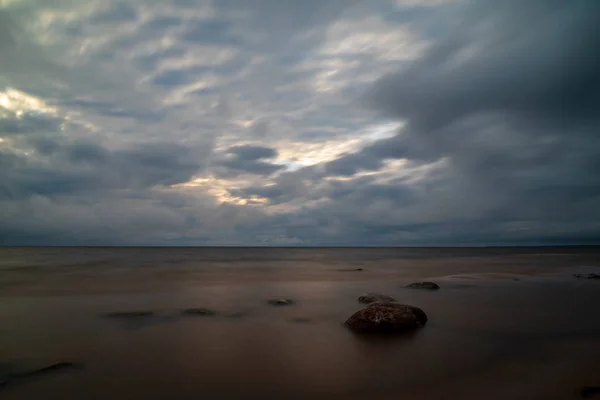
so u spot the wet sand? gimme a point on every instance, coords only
(502, 326)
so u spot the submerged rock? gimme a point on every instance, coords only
(301, 320)
(587, 276)
(60, 366)
(129, 314)
(11, 377)
(424, 285)
(200, 312)
(373, 297)
(280, 302)
(387, 317)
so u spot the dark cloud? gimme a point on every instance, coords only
(148, 61)
(116, 13)
(61, 166)
(248, 160)
(211, 31)
(7, 29)
(13, 125)
(157, 25)
(501, 113)
(279, 20)
(112, 109)
(176, 77)
(501, 61)
(251, 153)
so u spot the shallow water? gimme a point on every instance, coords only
(506, 324)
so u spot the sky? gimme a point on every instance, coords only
(288, 122)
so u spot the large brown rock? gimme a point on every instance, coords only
(424, 285)
(387, 317)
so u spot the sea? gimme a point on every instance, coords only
(111, 323)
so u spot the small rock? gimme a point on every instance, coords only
(280, 302)
(16, 377)
(129, 314)
(590, 391)
(359, 269)
(200, 312)
(424, 285)
(54, 367)
(387, 317)
(373, 297)
(587, 276)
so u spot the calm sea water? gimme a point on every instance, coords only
(507, 323)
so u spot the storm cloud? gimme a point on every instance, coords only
(378, 122)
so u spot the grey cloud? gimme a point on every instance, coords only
(281, 19)
(211, 31)
(63, 166)
(248, 159)
(260, 128)
(111, 109)
(13, 125)
(272, 192)
(87, 152)
(252, 152)
(536, 69)
(516, 88)
(176, 77)
(506, 105)
(500, 140)
(159, 164)
(7, 27)
(149, 216)
(249, 167)
(287, 187)
(148, 61)
(116, 13)
(161, 23)
(23, 63)
(350, 164)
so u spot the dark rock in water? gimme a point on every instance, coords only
(587, 276)
(300, 320)
(129, 314)
(280, 302)
(387, 317)
(590, 391)
(200, 312)
(60, 366)
(373, 297)
(424, 285)
(18, 376)
(359, 269)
